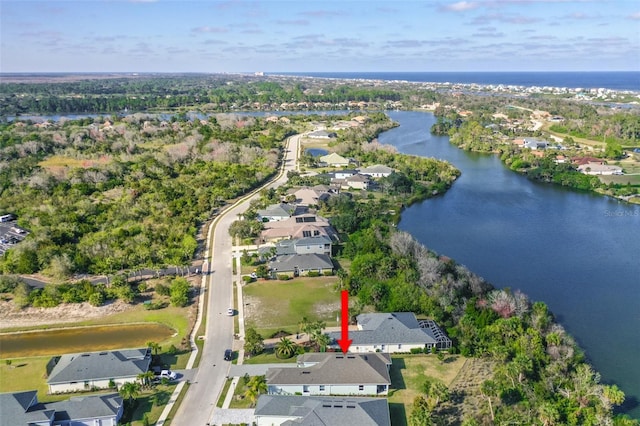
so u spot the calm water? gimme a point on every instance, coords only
(578, 253)
(81, 339)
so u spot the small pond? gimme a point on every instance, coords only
(316, 152)
(81, 339)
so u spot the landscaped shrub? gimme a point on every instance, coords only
(283, 277)
(327, 273)
(417, 350)
(313, 274)
(247, 279)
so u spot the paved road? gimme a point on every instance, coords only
(200, 401)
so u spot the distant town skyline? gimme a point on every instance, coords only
(240, 36)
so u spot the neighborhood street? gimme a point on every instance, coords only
(209, 378)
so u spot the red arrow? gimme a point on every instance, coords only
(345, 342)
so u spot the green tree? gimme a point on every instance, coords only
(256, 386)
(420, 413)
(154, 346)
(179, 293)
(253, 342)
(145, 378)
(129, 391)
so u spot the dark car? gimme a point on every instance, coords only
(228, 354)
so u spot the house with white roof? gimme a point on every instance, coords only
(333, 373)
(289, 410)
(96, 370)
(393, 332)
(376, 171)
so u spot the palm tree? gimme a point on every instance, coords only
(323, 341)
(256, 386)
(286, 348)
(304, 325)
(155, 347)
(129, 391)
(145, 378)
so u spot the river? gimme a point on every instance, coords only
(577, 252)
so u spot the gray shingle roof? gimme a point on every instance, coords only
(334, 369)
(322, 411)
(305, 262)
(377, 168)
(388, 328)
(100, 365)
(22, 409)
(87, 407)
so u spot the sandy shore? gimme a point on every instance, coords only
(12, 317)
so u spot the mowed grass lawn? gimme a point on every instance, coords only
(409, 372)
(274, 305)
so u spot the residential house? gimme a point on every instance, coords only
(301, 226)
(599, 169)
(84, 371)
(393, 332)
(332, 373)
(343, 174)
(294, 265)
(322, 134)
(289, 410)
(23, 408)
(578, 161)
(310, 196)
(533, 143)
(278, 212)
(334, 160)
(357, 181)
(376, 171)
(317, 245)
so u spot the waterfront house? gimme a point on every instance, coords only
(301, 226)
(275, 410)
(318, 245)
(294, 265)
(23, 408)
(97, 370)
(332, 373)
(376, 171)
(393, 332)
(599, 169)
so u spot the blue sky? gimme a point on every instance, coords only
(309, 35)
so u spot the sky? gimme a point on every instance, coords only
(238, 36)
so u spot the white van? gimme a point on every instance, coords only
(7, 218)
(168, 374)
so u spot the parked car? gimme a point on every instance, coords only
(228, 355)
(231, 312)
(168, 374)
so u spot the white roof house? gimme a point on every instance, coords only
(334, 160)
(377, 171)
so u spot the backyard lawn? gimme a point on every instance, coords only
(409, 372)
(274, 305)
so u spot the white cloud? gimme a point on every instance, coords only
(460, 6)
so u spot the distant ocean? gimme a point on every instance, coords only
(618, 80)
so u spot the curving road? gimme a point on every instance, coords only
(209, 378)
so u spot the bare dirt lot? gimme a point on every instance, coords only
(13, 317)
